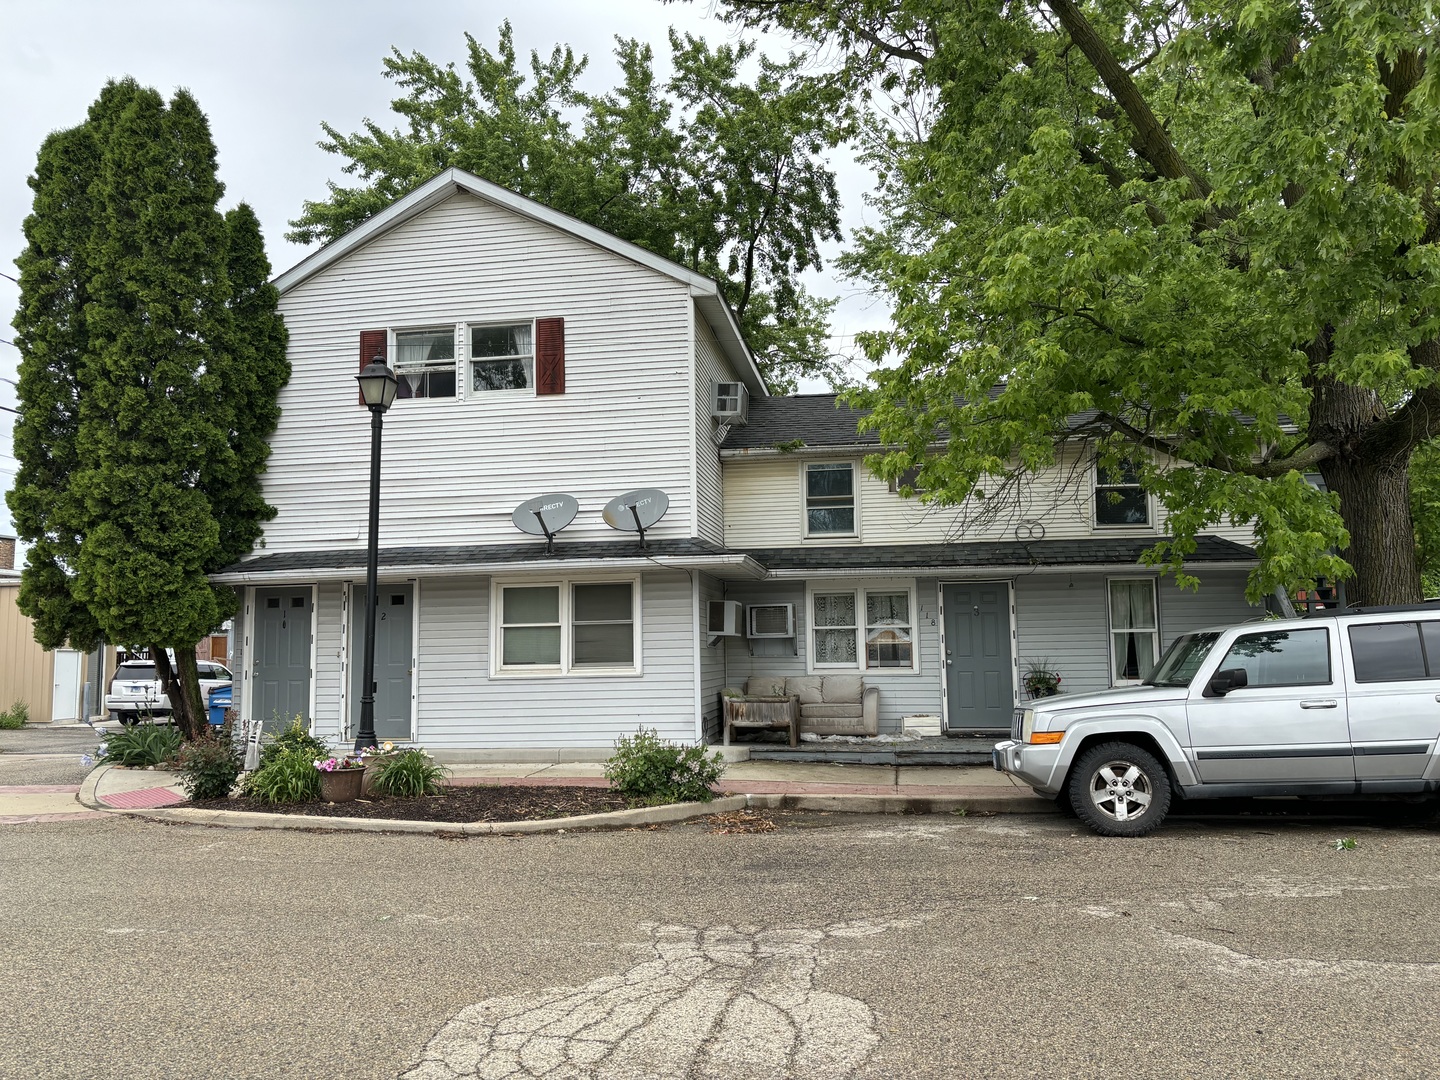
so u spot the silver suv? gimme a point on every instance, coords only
(1336, 704)
(136, 693)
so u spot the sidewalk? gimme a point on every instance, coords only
(754, 784)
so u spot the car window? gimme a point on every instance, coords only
(1389, 652)
(135, 673)
(1183, 659)
(1282, 657)
(213, 671)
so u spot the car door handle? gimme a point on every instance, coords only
(1324, 703)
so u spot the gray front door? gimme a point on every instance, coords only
(978, 665)
(394, 620)
(280, 664)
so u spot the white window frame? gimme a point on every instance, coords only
(567, 667)
(1095, 522)
(471, 394)
(1113, 633)
(392, 347)
(854, 533)
(860, 591)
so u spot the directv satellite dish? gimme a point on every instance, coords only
(546, 515)
(636, 511)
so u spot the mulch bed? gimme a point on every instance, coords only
(510, 802)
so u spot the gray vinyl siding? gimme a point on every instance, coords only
(712, 662)
(1063, 619)
(710, 367)
(454, 469)
(900, 694)
(460, 707)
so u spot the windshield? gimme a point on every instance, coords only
(1183, 659)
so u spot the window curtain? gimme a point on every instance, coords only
(835, 628)
(1132, 623)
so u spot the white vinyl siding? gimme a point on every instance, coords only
(711, 367)
(453, 470)
(764, 508)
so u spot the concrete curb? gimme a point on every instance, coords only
(87, 796)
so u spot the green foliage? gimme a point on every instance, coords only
(142, 744)
(294, 739)
(1207, 230)
(652, 771)
(210, 765)
(409, 773)
(723, 173)
(15, 717)
(289, 776)
(151, 355)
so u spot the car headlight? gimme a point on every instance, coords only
(1027, 724)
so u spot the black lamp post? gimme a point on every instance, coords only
(377, 386)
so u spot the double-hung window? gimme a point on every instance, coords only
(870, 629)
(567, 627)
(425, 363)
(830, 499)
(1134, 630)
(1119, 498)
(502, 357)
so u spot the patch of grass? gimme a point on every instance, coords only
(408, 773)
(289, 776)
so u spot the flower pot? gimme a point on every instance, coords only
(342, 785)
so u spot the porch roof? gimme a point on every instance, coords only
(990, 556)
(696, 554)
(523, 557)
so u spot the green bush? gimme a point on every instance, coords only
(15, 717)
(289, 776)
(210, 765)
(141, 744)
(650, 770)
(408, 772)
(295, 737)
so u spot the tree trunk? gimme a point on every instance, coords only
(1375, 506)
(182, 687)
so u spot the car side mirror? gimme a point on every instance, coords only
(1222, 682)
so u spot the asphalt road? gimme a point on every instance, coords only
(834, 946)
(46, 755)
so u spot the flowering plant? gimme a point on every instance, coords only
(1040, 681)
(344, 761)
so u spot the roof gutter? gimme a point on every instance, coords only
(983, 572)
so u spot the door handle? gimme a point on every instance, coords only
(1326, 703)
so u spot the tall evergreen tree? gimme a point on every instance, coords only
(166, 386)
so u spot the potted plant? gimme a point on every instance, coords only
(1039, 680)
(341, 777)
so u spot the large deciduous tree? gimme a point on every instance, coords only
(151, 357)
(722, 168)
(1207, 230)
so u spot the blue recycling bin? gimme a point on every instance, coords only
(220, 699)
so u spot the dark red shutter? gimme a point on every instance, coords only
(549, 356)
(373, 343)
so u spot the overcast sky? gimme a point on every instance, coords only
(267, 72)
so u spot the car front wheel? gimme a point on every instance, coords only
(1120, 789)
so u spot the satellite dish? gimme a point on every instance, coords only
(636, 511)
(546, 515)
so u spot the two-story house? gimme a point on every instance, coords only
(538, 355)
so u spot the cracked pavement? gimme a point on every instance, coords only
(836, 946)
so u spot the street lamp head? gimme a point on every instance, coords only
(377, 385)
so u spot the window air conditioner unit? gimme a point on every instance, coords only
(723, 618)
(732, 402)
(772, 620)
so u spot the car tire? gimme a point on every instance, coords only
(1119, 789)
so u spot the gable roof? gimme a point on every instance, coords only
(705, 292)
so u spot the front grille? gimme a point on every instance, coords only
(1016, 724)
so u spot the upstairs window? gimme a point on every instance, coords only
(425, 363)
(1119, 498)
(502, 357)
(830, 499)
(910, 478)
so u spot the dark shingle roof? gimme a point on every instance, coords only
(815, 419)
(1099, 551)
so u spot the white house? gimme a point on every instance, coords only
(540, 355)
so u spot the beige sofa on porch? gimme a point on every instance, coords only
(822, 704)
